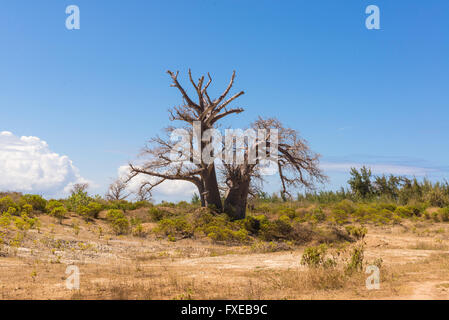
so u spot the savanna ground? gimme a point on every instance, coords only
(413, 256)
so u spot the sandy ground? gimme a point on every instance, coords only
(415, 266)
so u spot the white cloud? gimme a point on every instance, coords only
(377, 168)
(28, 165)
(170, 190)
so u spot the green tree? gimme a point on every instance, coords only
(360, 182)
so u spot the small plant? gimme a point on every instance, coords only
(76, 228)
(444, 214)
(357, 232)
(138, 231)
(356, 260)
(314, 256)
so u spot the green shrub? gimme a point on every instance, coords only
(264, 208)
(6, 203)
(289, 212)
(174, 227)
(91, 211)
(404, 212)
(120, 226)
(386, 213)
(52, 204)
(118, 221)
(340, 216)
(77, 200)
(143, 204)
(12, 211)
(417, 209)
(388, 206)
(27, 208)
(316, 257)
(5, 220)
(252, 225)
(156, 214)
(24, 222)
(59, 213)
(37, 202)
(356, 260)
(227, 235)
(346, 205)
(276, 230)
(114, 214)
(357, 232)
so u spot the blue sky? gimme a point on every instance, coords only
(379, 97)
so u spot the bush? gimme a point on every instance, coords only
(114, 214)
(6, 203)
(174, 227)
(316, 257)
(388, 206)
(444, 214)
(340, 216)
(289, 212)
(5, 220)
(252, 225)
(276, 230)
(386, 213)
(346, 205)
(37, 202)
(91, 211)
(52, 204)
(156, 214)
(118, 221)
(356, 260)
(120, 225)
(404, 212)
(59, 213)
(24, 222)
(12, 211)
(357, 232)
(27, 209)
(227, 235)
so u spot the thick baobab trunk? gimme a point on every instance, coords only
(212, 193)
(237, 198)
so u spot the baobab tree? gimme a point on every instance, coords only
(297, 166)
(205, 112)
(295, 163)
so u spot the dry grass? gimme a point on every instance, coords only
(128, 267)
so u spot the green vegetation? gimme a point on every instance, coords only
(272, 222)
